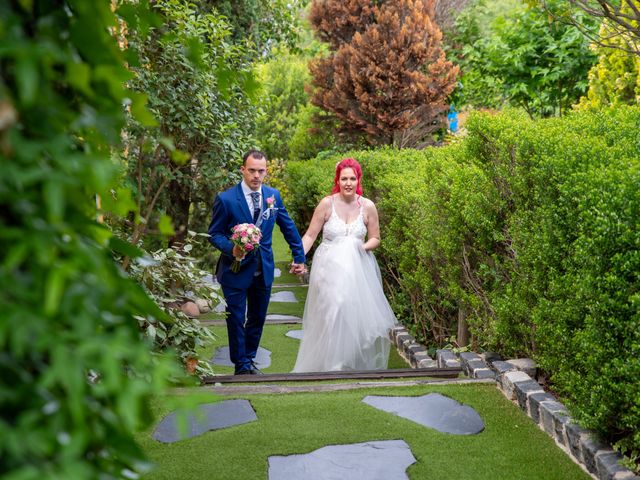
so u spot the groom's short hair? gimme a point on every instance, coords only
(257, 154)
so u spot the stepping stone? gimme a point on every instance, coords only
(284, 296)
(221, 357)
(383, 460)
(210, 416)
(432, 410)
(274, 317)
(277, 272)
(297, 334)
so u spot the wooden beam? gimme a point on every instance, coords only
(345, 375)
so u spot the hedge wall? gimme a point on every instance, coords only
(528, 231)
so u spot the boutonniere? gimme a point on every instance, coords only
(271, 202)
(271, 207)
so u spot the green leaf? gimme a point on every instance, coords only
(54, 288)
(27, 78)
(119, 202)
(79, 76)
(140, 111)
(125, 248)
(165, 225)
(180, 157)
(54, 199)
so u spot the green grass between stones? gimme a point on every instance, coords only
(284, 350)
(511, 446)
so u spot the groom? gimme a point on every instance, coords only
(249, 289)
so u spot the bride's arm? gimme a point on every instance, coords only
(373, 227)
(317, 222)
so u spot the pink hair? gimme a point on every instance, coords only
(347, 163)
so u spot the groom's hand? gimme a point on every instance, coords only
(298, 268)
(238, 253)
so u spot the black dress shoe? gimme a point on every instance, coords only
(243, 372)
(255, 370)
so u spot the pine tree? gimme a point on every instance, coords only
(387, 76)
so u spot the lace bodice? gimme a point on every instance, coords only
(335, 227)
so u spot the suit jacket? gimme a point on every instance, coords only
(229, 209)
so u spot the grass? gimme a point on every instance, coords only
(511, 446)
(284, 350)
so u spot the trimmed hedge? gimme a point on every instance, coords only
(529, 230)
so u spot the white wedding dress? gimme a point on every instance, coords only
(346, 318)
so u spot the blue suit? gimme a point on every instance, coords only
(246, 291)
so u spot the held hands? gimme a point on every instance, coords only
(298, 268)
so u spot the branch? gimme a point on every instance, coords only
(620, 23)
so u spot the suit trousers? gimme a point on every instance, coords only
(246, 314)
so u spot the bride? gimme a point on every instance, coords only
(346, 318)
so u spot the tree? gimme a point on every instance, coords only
(621, 16)
(197, 71)
(387, 75)
(281, 99)
(615, 79)
(75, 375)
(532, 60)
(198, 85)
(446, 12)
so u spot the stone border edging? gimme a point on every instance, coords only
(514, 379)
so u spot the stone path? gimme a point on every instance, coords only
(221, 357)
(297, 334)
(382, 460)
(284, 296)
(210, 416)
(432, 410)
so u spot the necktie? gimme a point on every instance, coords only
(255, 198)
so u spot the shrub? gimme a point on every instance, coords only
(527, 230)
(75, 376)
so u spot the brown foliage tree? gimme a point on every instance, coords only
(389, 77)
(336, 21)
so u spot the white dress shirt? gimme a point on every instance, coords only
(247, 196)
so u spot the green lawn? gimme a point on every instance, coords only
(283, 349)
(511, 447)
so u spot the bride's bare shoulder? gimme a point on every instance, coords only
(367, 204)
(324, 205)
(325, 202)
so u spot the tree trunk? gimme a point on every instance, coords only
(463, 328)
(180, 201)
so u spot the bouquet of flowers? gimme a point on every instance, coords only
(246, 236)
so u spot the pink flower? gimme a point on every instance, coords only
(246, 236)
